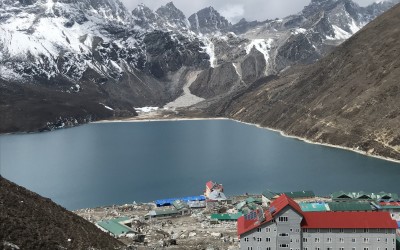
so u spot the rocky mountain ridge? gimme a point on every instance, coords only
(349, 98)
(113, 60)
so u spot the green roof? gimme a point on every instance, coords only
(114, 226)
(389, 207)
(166, 211)
(314, 207)
(300, 194)
(226, 216)
(349, 206)
(269, 194)
(364, 196)
(178, 204)
(240, 205)
(253, 200)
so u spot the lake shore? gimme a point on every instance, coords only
(161, 117)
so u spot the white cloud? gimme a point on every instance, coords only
(233, 12)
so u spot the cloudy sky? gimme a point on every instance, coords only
(234, 10)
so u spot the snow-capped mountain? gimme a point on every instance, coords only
(208, 20)
(123, 59)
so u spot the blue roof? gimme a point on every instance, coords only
(168, 202)
(398, 224)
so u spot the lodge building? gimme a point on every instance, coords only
(284, 226)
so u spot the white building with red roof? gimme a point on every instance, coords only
(286, 226)
(213, 187)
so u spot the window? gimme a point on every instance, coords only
(318, 230)
(267, 229)
(316, 240)
(330, 230)
(366, 240)
(341, 230)
(249, 248)
(354, 230)
(366, 230)
(353, 248)
(304, 239)
(329, 248)
(291, 230)
(366, 248)
(283, 219)
(268, 239)
(246, 239)
(305, 248)
(283, 234)
(353, 240)
(305, 230)
(341, 248)
(298, 230)
(329, 240)
(341, 240)
(258, 239)
(259, 229)
(378, 239)
(283, 245)
(268, 248)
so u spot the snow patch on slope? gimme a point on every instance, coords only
(209, 48)
(262, 45)
(340, 34)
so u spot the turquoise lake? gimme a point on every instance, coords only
(116, 163)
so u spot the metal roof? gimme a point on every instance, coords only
(314, 207)
(276, 206)
(269, 194)
(165, 211)
(350, 206)
(300, 194)
(226, 216)
(115, 227)
(348, 220)
(168, 202)
(365, 196)
(178, 204)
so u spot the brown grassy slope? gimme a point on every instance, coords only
(350, 98)
(33, 222)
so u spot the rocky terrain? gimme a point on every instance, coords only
(349, 98)
(101, 60)
(28, 221)
(194, 231)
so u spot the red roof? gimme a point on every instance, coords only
(348, 220)
(276, 206)
(395, 204)
(282, 201)
(210, 184)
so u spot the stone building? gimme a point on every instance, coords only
(285, 226)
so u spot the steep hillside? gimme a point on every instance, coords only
(33, 222)
(350, 98)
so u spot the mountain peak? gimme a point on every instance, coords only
(172, 15)
(208, 20)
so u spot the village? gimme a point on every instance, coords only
(271, 220)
